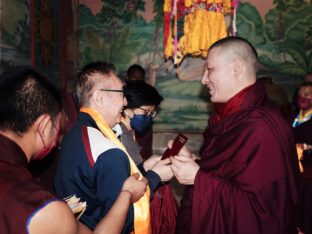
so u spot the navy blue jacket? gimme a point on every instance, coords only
(94, 169)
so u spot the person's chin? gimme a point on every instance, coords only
(213, 98)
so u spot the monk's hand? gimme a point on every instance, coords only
(163, 170)
(135, 186)
(184, 151)
(184, 169)
(151, 162)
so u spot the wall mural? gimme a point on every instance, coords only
(47, 38)
(117, 33)
(16, 32)
(15, 35)
(283, 40)
(46, 32)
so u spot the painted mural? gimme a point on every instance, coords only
(283, 39)
(15, 36)
(46, 38)
(119, 34)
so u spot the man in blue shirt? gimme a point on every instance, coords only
(93, 163)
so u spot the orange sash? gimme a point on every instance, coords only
(141, 207)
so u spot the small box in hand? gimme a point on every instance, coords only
(177, 144)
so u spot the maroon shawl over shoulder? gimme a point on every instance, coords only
(247, 182)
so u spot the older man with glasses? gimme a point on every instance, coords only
(94, 163)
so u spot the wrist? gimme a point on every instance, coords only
(145, 167)
(129, 193)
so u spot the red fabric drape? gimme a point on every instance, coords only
(164, 211)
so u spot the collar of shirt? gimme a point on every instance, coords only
(117, 130)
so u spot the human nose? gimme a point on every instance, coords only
(125, 102)
(205, 78)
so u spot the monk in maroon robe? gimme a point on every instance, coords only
(246, 179)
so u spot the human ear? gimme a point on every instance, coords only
(41, 124)
(97, 98)
(237, 67)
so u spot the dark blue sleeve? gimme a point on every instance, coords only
(141, 168)
(151, 176)
(153, 180)
(111, 169)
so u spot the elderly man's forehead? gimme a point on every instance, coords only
(106, 79)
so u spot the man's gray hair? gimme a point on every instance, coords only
(88, 78)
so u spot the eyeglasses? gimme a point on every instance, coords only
(113, 90)
(148, 113)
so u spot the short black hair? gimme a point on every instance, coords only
(136, 72)
(86, 79)
(138, 93)
(25, 94)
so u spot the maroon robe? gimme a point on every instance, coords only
(247, 182)
(21, 196)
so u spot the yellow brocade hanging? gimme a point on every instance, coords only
(142, 207)
(204, 23)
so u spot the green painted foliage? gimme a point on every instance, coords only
(123, 10)
(249, 23)
(119, 40)
(118, 51)
(296, 22)
(158, 11)
(271, 24)
(284, 40)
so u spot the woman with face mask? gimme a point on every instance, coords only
(143, 99)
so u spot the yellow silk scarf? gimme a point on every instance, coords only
(141, 207)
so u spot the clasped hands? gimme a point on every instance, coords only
(182, 166)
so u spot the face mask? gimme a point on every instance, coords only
(141, 123)
(303, 103)
(47, 149)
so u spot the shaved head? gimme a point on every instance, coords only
(231, 66)
(236, 47)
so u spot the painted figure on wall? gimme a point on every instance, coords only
(204, 23)
(137, 40)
